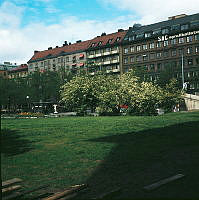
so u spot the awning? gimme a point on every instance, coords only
(81, 55)
(81, 64)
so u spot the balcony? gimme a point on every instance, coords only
(107, 62)
(116, 70)
(115, 61)
(91, 56)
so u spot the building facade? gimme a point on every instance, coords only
(5, 67)
(69, 57)
(18, 72)
(104, 53)
(172, 44)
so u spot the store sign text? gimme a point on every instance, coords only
(167, 37)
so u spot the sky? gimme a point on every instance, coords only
(28, 25)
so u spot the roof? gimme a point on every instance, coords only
(164, 24)
(67, 49)
(108, 39)
(79, 46)
(22, 67)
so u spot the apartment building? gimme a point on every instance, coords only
(67, 57)
(18, 72)
(173, 43)
(104, 53)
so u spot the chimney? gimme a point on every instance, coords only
(49, 48)
(65, 43)
(120, 30)
(69, 43)
(35, 51)
(177, 16)
(103, 34)
(57, 46)
(78, 41)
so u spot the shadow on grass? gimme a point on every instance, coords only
(142, 158)
(13, 143)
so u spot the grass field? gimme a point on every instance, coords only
(105, 152)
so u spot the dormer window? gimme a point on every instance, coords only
(165, 31)
(99, 43)
(118, 39)
(109, 41)
(184, 27)
(147, 35)
(157, 31)
(175, 27)
(93, 44)
(131, 38)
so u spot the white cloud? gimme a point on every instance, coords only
(17, 43)
(156, 10)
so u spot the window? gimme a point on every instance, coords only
(181, 40)
(159, 44)
(180, 52)
(157, 31)
(126, 60)
(93, 44)
(144, 46)
(131, 38)
(145, 57)
(99, 43)
(166, 54)
(173, 53)
(152, 67)
(197, 37)
(67, 59)
(197, 49)
(189, 50)
(107, 49)
(132, 59)
(152, 56)
(174, 41)
(159, 54)
(165, 31)
(132, 49)
(126, 50)
(184, 27)
(151, 45)
(141, 35)
(175, 27)
(147, 35)
(190, 38)
(110, 40)
(166, 43)
(190, 61)
(138, 48)
(194, 23)
(118, 39)
(139, 58)
(159, 66)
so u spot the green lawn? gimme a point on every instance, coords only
(105, 152)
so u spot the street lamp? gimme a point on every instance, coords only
(183, 84)
(27, 98)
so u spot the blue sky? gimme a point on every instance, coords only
(28, 25)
